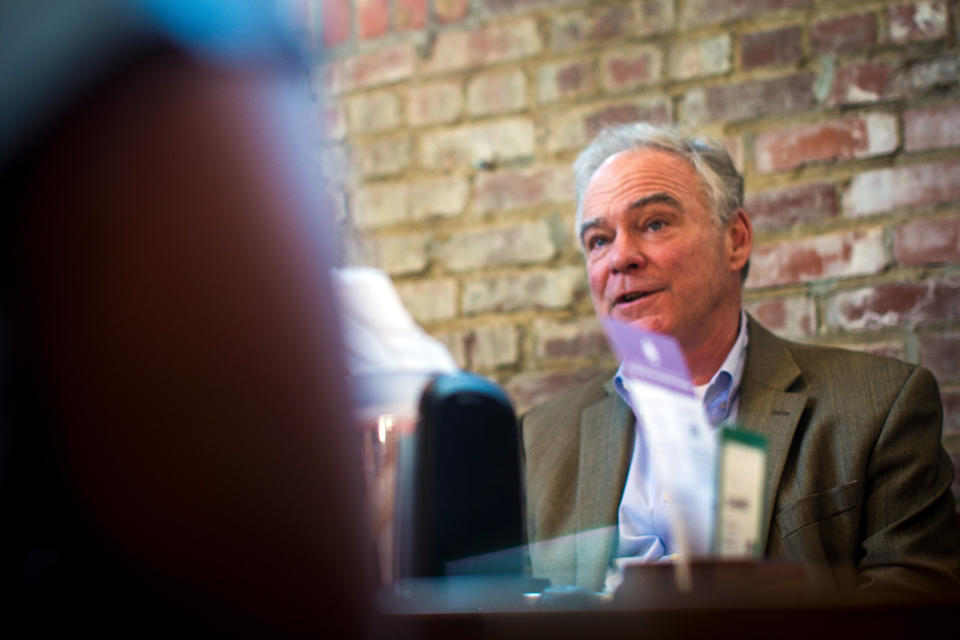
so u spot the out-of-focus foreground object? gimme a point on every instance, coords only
(390, 360)
(177, 450)
(440, 451)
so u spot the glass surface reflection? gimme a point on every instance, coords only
(386, 410)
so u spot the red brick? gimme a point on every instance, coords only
(582, 28)
(768, 48)
(399, 254)
(844, 34)
(429, 300)
(928, 242)
(336, 22)
(630, 68)
(789, 317)
(454, 342)
(574, 128)
(500, 191)
(410, 14)
(525, 243)
(530, 389)
(797, 205)
(652, 17)
(894, 305)
(573, 30)
(931, 128)
(615, 114)
(434, 103)
(921, 76)
(940, 352)
(383, 204)
(489, 348)
(950, 397)
(863, 82)
(568, 79)
(479, 144)
(373, 18)
(443, 196)
(372, 112)
(855, 137)
(483, 46)
(886, 189)
(919, 21)
(381, 157)
(701, 57)
(547, 289)
(851, 253)
(748, 100)
(450, 11)
(515, 6)
(583, 338)
(382, 66)
(496, 92)
(703, 12)
(380, 204)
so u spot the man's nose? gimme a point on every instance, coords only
(626, 255)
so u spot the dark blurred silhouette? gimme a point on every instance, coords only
(177, 450)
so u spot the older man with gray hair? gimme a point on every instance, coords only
(857, 481)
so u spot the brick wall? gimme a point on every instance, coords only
(451, 125)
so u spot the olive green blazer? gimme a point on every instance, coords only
(858, 483)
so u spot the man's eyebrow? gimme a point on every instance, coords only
(585, 226)
(660, 197)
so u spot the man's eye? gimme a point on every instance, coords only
(596, 242)
(656, 225)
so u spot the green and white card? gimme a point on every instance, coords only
(741, 483)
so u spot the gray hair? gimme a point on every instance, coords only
(723, 184)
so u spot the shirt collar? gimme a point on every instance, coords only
(732, 364)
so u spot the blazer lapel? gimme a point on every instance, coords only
(767, 408)
(606, 445)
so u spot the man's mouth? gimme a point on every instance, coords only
(631, 296)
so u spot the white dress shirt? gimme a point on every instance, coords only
(643, 517)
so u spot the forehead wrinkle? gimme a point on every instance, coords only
(661, 197)
(609, 189)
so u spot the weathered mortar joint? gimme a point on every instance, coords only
(427, 44)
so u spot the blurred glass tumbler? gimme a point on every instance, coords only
(386, 406)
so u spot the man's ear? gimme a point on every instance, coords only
(739, 240)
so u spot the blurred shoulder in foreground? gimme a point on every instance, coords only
(177, 449)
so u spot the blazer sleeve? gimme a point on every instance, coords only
(910, 538)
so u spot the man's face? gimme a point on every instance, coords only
(655, 256)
